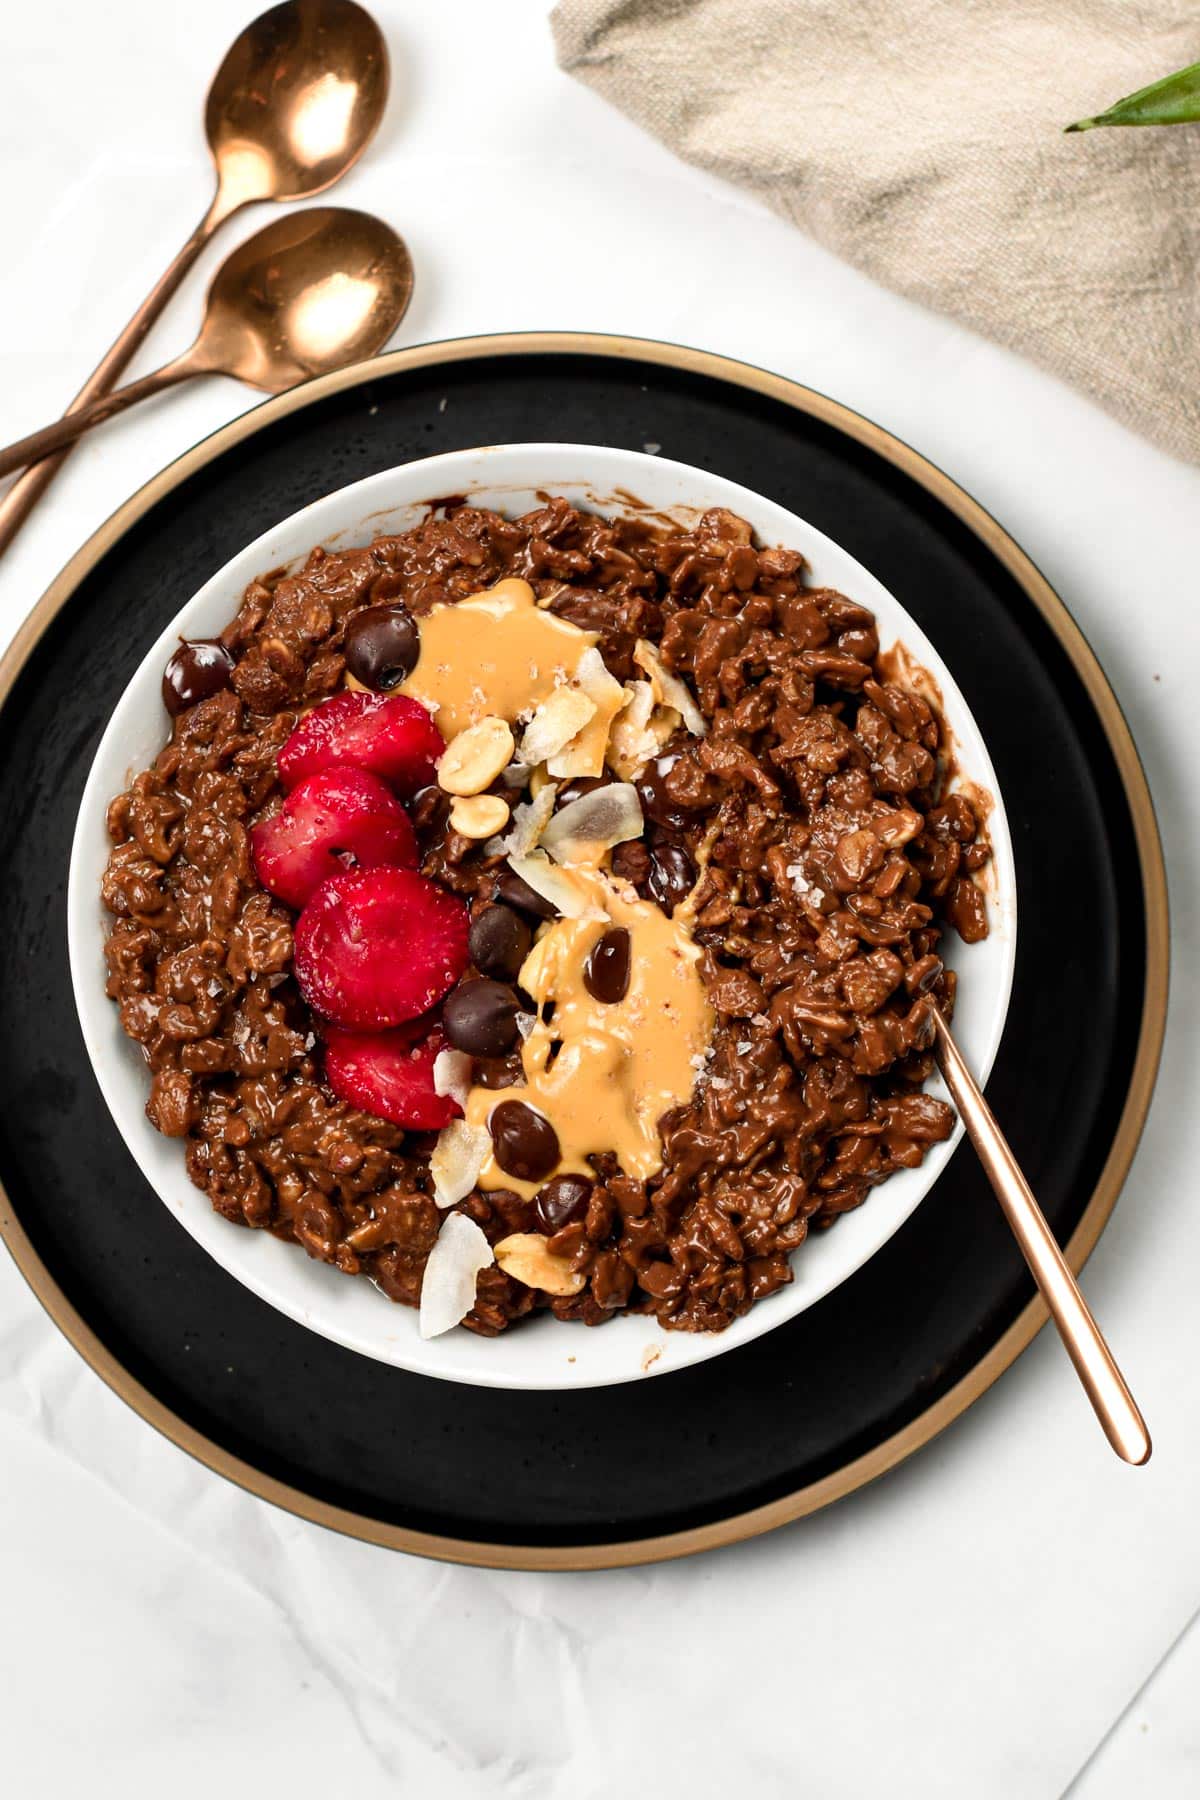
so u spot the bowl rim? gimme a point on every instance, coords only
(484, 1365)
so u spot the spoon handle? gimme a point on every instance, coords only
(53, 439)
(24, 494)
(1103, 1382)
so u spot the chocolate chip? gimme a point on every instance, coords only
(480, 1017)
(656, 802)
(382, 645)
(563, 1201)
(199, 668)
(672, 875)
(606, 971)
(525, 1143)
(515, 892)
(499, 942)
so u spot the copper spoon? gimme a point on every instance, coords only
(292, 107)
(305, 295)
(1095, 1366)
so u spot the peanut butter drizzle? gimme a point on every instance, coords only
(619, 1067)
(496, 652)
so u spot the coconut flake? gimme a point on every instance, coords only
(452, 1071)
(594, 823)
(561, 716)
(640, 732)
(669, 690)
(459, 1154)
(539, 873)
(585, 754)
(528, 823)
(451, 1274)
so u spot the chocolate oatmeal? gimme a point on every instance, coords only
(543, 914)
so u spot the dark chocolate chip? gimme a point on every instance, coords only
(563, 1201)
(381, 645)
(606, 971)
(499, 942)
(515, 892)
(525, 1143)
(199, 668)
(656, 802)
(672, 875)
(480, 1017)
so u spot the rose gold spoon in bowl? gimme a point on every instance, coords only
(1103, 1383)
(292, 107)
(305, 295)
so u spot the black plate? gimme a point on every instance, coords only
(816, 1406)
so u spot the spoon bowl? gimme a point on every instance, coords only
(296, 101)
(306, 295)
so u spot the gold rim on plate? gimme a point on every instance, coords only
(1141, 1085)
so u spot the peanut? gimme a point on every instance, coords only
(478, 815)
(472, 760)
(525, 1257)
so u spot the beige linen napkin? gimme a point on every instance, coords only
(922, 141)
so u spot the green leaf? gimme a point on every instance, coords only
(1175, 100)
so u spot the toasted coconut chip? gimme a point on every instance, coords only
(593, 676)
(459, 1154)
(669, 690)
(452, 1074)
(559, 718)
(586, 752)
(525, 1257)
(448, 1284)
(640, 732)
(553, 884)
(595, 822)
(528, 823)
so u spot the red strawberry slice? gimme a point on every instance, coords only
(377, 946)
(389, 734)
(389, 1074)
(335, 818)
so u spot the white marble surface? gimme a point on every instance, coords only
(982, 1622)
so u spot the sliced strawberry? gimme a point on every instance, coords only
(377, 946)
(389, 734)
(334, 819)
(390, 1075)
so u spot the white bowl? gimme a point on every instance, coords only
(540, 1353)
